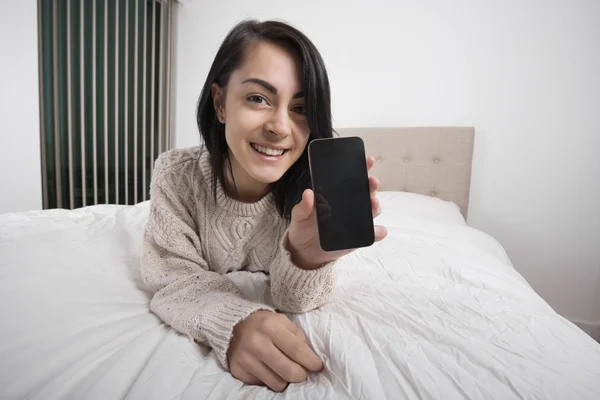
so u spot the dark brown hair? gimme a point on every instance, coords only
(288, 189)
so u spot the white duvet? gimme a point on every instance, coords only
(436, 311)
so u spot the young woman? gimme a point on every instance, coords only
(241, 202)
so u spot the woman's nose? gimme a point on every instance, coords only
(280, 123)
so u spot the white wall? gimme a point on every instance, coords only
(596, 309)
(20, 173)
(525, 74)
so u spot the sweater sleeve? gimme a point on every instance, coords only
(193, 300)
(298, 290)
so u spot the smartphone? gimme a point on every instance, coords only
(338, 169)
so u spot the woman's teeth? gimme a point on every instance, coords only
(267, 150)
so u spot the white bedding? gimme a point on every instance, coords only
(436, 311)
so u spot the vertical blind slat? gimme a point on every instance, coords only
(45, 200)
(168, 76)
(135, 105)
(69, 110)
(152, 80)
(94, 106)
(126, 103)
(82, 102)
(161, 79)
(105, 98)
(116, 133)
(57, 164)
(144, 102)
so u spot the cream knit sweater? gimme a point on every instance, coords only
(191, 243)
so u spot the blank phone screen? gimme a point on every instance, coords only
(341, 184)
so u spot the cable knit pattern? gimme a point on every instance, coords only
(191, 242)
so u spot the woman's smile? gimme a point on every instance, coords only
(269, 153)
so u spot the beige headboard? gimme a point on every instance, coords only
(430, 161)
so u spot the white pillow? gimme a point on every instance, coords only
(405, 204)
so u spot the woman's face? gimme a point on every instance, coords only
(264, 115)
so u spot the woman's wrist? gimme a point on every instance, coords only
(297, 259)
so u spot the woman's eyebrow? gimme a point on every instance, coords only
(270, 87)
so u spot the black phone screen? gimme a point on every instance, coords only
(338, 168)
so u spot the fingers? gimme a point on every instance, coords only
(375, 206)
(320, 199)
(267, 348)
(297, 331)
(303, 210)
(370, 162)
(323, 210)
(380, 232)
(266, 375)
(373, 184)
(283, 365)
(240, 373)
(299, 351)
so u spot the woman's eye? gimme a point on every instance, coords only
(256, 99)
(301, 109)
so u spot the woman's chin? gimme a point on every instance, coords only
(268, 180)
(267, 177)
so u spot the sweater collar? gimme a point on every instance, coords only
(265, 204)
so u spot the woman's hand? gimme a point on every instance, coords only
(267, 348)
(303, 240)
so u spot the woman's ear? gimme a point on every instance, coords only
(217, 95)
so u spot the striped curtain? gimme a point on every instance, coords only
(105, 90)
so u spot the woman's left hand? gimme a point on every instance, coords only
(303, 239)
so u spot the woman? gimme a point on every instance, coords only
(241, 202)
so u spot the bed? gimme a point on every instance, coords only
(435, 311)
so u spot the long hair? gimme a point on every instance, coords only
(288, 189)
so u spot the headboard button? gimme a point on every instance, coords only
(379, 158)
(433, 194)
(406, 159)
(436, 160)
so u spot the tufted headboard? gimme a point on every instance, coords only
(430, 161)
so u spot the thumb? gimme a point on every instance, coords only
(303, 210)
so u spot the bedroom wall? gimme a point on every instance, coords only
(20, 176)
(525, 74)
(596, 307)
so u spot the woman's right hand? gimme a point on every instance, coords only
(267, 348)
